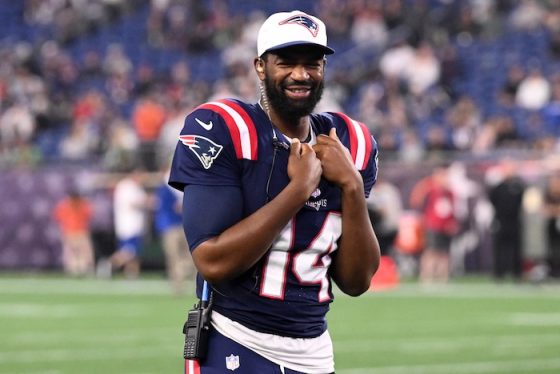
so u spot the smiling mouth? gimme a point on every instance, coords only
(298, 92)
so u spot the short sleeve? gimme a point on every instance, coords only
(204, 154)
(369, 174)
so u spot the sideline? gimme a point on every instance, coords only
(475, 367)
(89, 286)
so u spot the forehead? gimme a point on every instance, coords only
(299, 52)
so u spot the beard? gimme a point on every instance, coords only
(293, 109)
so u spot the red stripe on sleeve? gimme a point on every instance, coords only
(250, 125)
(232, 127)
(351, 134)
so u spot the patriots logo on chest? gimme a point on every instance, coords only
(205, 149)
(304, 21)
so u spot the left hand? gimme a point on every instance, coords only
(336, 160)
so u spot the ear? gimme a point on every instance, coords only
(259, 67)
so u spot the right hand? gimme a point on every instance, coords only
(304, 168)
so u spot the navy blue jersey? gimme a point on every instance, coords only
(230, 143)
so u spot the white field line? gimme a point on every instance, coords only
(87, 340)
(446, 344)
(476, 367)
(100, 353)
(161, 287)
(535, 319)
(60, 372)
(95, 336)
(462, 291)
(64, 311)
(38, 286)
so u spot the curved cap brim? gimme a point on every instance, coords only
(325, 49)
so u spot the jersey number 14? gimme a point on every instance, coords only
(309, 266)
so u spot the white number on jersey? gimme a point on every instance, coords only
(309, 266)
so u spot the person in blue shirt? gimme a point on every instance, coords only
(168, 220)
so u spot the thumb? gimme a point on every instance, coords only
(332, 133)
(295, 149)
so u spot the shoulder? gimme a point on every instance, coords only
(224, 121)
(354, 134)
(231, 111)
(344, 124)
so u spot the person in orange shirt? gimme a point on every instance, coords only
(148, 119)
(73, 215)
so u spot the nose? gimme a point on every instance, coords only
(300, 73)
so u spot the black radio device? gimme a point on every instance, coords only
(196, 330)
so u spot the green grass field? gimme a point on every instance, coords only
(52, 325)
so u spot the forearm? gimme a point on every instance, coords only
(242, 245)
(358, 255)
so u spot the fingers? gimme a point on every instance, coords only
(298, 149)
(295, 149)
(327, 140)
(306, 148)
(324, 139)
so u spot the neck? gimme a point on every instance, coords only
(291, 127)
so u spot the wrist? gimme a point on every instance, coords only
(299, 193)
(353, 184)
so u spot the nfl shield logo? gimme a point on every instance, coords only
(232, 362)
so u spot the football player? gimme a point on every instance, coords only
(275, 210)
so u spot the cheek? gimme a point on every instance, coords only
(318, 74)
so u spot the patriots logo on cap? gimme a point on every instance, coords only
(205, 149)
(304, 21)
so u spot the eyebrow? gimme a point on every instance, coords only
(300, 57)
(299, 52)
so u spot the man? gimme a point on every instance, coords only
(73, 215)
(130, 205)
(551, 210)
(168, 221)
(506, 197)
(274, 208)
(435, 199)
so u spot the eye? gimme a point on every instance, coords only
(285, 64)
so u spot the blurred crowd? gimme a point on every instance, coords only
(435, 80)
(506, 221)
(402, 68)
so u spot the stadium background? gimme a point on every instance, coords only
(74, 76)
(73, 73)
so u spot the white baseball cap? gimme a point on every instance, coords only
(286, 29)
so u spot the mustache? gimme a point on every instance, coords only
(299, 84)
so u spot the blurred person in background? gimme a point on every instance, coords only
(130, 205)
(17, 124)
(122, 146)
(551, 111)
(148, 118)
(434, 197)
(169, 225)
(534, 89)
(552, 216)
(423, 70)
(506, 196)
(73, 215)
(385, 209)
(470, 208)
